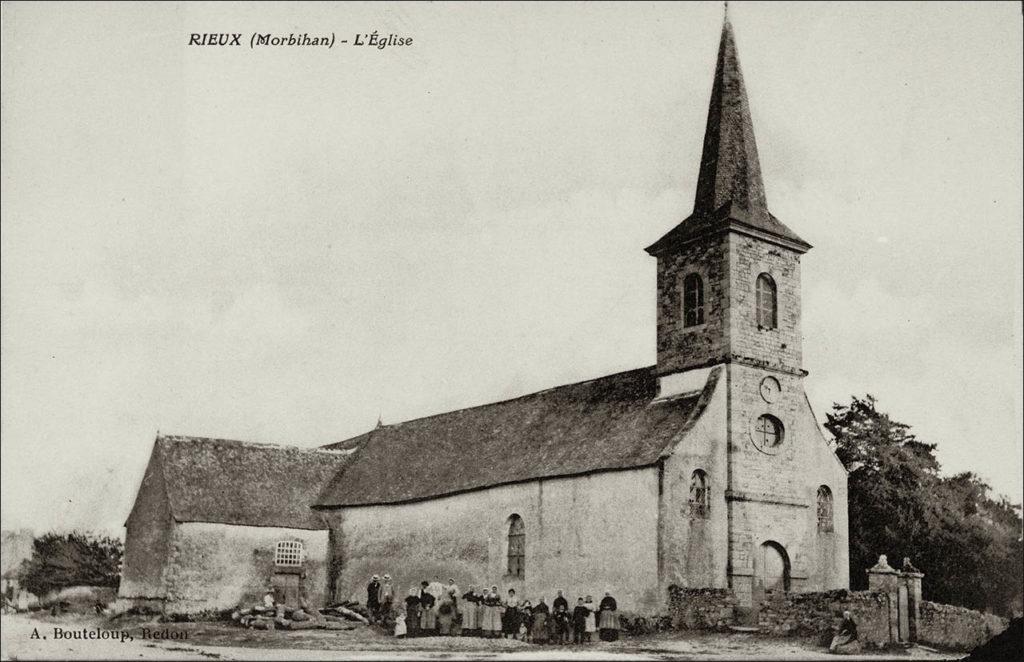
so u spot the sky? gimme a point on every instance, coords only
(282, 244)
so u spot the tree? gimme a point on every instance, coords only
(968, 544)
(72, 559)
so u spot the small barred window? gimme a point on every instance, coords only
(288, 553)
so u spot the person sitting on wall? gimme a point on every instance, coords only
(845, 640)
(269, 603)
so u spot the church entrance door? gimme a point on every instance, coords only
(771, 571)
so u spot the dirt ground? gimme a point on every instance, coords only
(35, 637)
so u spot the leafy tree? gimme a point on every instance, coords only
(72, 559)
(967, 543)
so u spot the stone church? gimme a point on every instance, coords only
(707, 469)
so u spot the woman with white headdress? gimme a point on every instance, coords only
(467, 607)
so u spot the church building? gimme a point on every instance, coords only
(706, 469)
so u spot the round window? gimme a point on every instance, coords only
(767, 434)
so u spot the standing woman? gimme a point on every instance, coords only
(591, 622)
(412, 612)
(467, 607)
(608, 618)
(428, 617)
(494, 612)
(510, 619)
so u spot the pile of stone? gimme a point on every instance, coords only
(336, 617)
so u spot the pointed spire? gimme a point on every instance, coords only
(730, 171)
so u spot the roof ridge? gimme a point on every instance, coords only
(490, 404)
(241, 443)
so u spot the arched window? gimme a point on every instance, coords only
(693, 300)
(824, 509)
(767, 313)
(516, 547)
(700, 506)
(768, 432)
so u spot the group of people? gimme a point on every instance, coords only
(434, 609)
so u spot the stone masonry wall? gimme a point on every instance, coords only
(694, 544)
(817, 614)
(217, 566)
(773, 492)
(147, 538)
(679, 347)
(958, 628)
(584, 535)
(775, 348)
(701, 608)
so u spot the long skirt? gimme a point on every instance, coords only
(510, 622)
(539, 631)
(481, 616)
(608, 623)
(444, 624)
(591, 623)
(428, 620)
(492, 619)
(469, 620)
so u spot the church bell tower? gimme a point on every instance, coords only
(729, 274)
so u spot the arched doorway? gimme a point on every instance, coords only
(771, 570)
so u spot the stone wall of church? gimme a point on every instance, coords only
(584, 535)
(681, 347)
(147, 538)
(218, 566)
(694, 549)
(748, 258)
(773, 492)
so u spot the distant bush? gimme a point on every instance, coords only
(62, 560)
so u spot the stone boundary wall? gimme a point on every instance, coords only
(957, 628)
(701, 608)
(818, 614)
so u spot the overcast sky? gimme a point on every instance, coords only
(281, 244)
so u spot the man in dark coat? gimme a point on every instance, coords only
(373, 597)
(560, 601)
(579, 622)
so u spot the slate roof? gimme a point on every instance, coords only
(235, 482)
(609, 423)
(730, 190)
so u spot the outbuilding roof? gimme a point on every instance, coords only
(242, 483)
(613, 422)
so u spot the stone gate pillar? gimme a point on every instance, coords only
(911, 578)
(882, 578)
